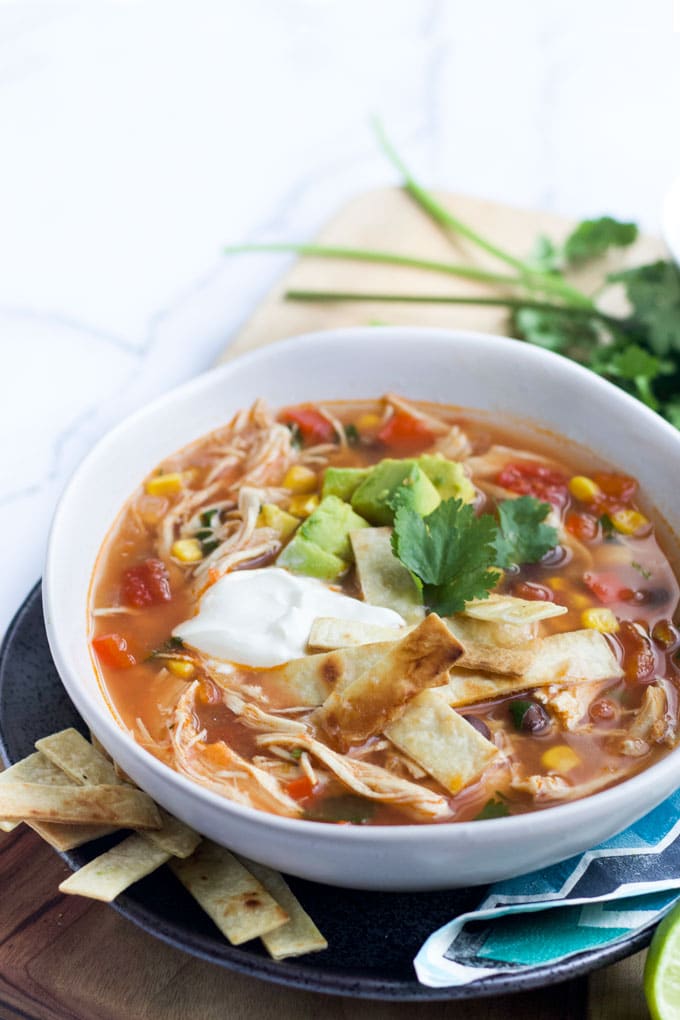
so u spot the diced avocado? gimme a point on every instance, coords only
(329, 527)
(304, 557)
(342, 482)
(448, 477)
(272, 516)
(390, 482)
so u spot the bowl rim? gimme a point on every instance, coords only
(438, 832)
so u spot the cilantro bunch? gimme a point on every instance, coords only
(638, 351)
(453, 555)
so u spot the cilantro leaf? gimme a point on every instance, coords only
(632, 364)
(557, 330)
(522, 537)
(451, 552)
(493, 809)
(671, 412)
(545, 255)
(592, 238)
(654, 293)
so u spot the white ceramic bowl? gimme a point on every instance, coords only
(491, 373)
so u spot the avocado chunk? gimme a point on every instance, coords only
(272, 516)
(304, 557)
(329, 527)
(342, 482)
(390, 483)
(447, 476)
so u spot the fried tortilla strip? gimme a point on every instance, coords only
(314, 677)
(112, 872)
(508, 609)
(87, 765)
(297, 936)
(441, 741)
(486, 655)
(328, 633)
(572, 657)
(121, 806)
(421, 659)
(383, 579)
(236, 901)
(38, 769)
(579, 656)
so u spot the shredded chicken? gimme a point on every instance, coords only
(244, 540)
(455, 445)
(363, 778)
(569, 704)
(653, 724)
(543, 788)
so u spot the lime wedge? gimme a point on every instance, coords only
(662, 969)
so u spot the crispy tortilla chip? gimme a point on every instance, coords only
(313, 678)
(383, 579)
(236, 901)
(112, 872)
(121, 806)
(441, 741)
(485, 655)
(481, 638)
(364, 707)
(297, 936)
(466, 687)
(88, 766)
(328, 633)
(508, 609)
(36, 768)
(579, 655)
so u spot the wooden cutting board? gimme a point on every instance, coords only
(63, 958)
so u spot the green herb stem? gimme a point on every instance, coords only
(384, 257)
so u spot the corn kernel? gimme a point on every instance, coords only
(165, 485)
(557, 583)
(187, 550)
(181, 668)
(579, 601)
(368, 422)
(300, 479)
(303, 506)
(584, 488)
(560, 758)
(600, 619)
(272, 516)
(629, 522)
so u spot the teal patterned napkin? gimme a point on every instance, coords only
(595, 899)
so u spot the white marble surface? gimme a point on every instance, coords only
(139, 137)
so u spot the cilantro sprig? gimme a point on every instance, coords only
(638, 351)
(454, 555)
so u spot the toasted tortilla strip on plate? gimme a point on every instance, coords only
(36, 768)
(383, 579)
(112, 872)
(365, 706)
(236, 901)
(327, 633)
(297, 936)
(88, 766)
(508, 609)
(441, 741)
(121, 806)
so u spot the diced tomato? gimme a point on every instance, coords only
(582, 526)
(533, 592)
(314, 428)
(607, 586)
(147, 584)
(112, 650)
(405, 433)
(639, 660)
(620, 487)
(300, 788)
(530, 478)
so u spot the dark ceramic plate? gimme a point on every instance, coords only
(372, 937)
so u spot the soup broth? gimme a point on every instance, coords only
(486, 713)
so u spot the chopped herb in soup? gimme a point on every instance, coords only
(377, 613)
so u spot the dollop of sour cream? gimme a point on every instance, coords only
(263, 617)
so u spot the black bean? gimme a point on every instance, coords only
(479, 725)
(535, 719)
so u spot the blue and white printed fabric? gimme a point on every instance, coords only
(589, 901)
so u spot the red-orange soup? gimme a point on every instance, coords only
(242, 730)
